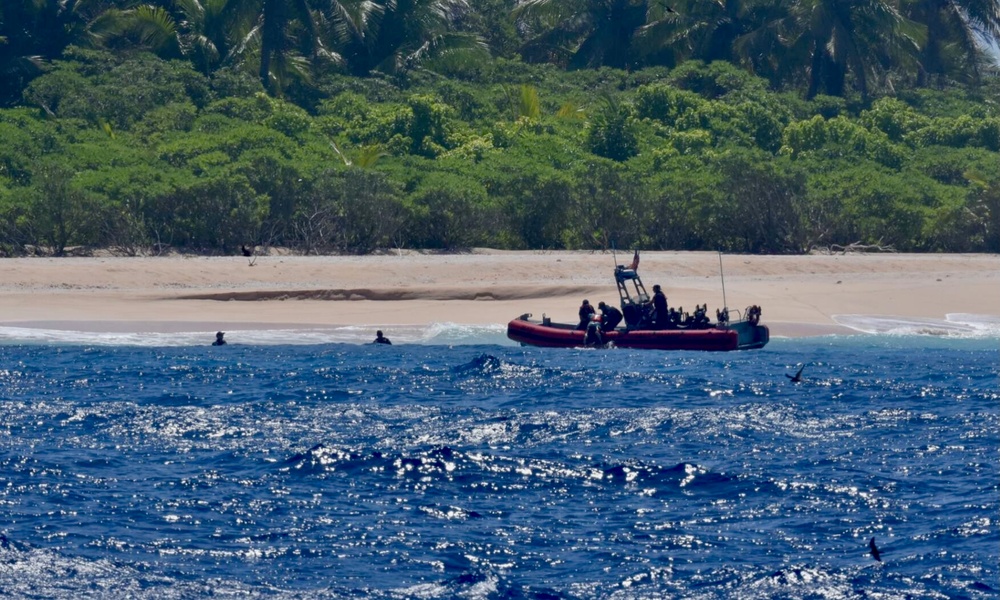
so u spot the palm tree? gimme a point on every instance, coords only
(265, 27)
(711, 27)
(623, 34)
(203, 32)
(145, 26)
(286, 34)
(33, 32)
(17, 65)
(848, 41)
(956, 31)
(739, 31)
(403, 33)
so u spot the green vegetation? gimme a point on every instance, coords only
(346, 126)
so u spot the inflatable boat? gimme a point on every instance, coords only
(643, 328)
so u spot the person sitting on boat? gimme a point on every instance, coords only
(701, 320)
(660, 320)
(586, 314)
(610, 316)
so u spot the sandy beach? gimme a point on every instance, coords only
(800, 295)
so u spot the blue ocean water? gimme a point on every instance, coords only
(466, 467)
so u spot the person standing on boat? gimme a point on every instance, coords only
(610, 316)
(586, 314)
(660, 318)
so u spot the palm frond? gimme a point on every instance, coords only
(368, 155)
(249, 42)
(192, 9)
(447, 43)
(570, 110)
(154, 26)
(529, 106)
(352, 22)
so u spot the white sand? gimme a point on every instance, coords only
(800, 295)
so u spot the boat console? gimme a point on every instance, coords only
(635, 304)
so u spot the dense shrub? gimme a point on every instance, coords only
(140, 154)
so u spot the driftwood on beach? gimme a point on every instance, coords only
(856, 247)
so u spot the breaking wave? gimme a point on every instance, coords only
(955, 325)
(959, 325)
(443, 334)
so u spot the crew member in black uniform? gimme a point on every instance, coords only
(610, 316)
(586, 314)
(660, 318)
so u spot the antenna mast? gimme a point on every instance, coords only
(722, 276)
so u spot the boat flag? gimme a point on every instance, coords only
(635, 261)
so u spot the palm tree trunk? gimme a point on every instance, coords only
(270, 39)
(815, 72)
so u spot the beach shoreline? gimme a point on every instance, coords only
(801, 296)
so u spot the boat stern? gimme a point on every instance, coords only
(750, 336)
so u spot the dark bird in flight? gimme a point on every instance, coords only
(874, 550)
(246, 252)
(798, 375)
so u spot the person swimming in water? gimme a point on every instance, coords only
(381, 339)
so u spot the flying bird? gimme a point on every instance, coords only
(874, 550)
(798, 375)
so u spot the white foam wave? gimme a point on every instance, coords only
(957, 325)
(433, 334)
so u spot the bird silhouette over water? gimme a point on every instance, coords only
(798, 375)
(874, 550)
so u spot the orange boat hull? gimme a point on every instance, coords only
(738, 336)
